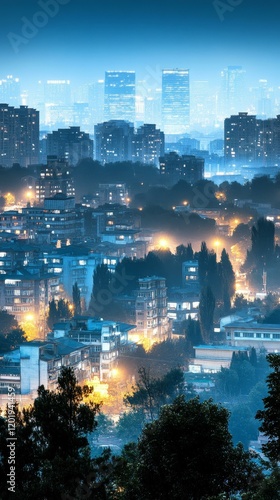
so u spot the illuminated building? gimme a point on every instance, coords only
(71, 144)
(188, 167)
(10, 91)
(119, 96)
(233, 95)
(26, 293)
(175, 101)
(57, 99)
(113, 141)
(148, 145)
(252, 142)
(55, 177)
(19, 135)
(151, 309)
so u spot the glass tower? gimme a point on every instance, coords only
(119, 98)
(175, 101)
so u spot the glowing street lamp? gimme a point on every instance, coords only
(163, 243)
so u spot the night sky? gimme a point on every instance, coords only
(86, 37)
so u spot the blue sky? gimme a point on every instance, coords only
(83, 38)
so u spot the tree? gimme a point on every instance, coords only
(76, 295)
(130, 425)
(52, 453)
(7, 322)
(270, 415)
(240, 302)
(206, 313)
(101, 281)
(184, 253)
(149, 394)
(203, 258)
(52, 313)
(227, 281)
(192, 331)
(263, 242)
(58, 310)
(187, 453)
(242, 425)
(12, 340)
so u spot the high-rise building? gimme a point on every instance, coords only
(251, 142)
(113, 141)
(148, 144)
(233, 91)
(19, 135)
(175, 101)
(57, 98)
(96, 101)
(53, 178)
(119, 97)
(151, 309)
(241, 141)
(58, 92)
(188, 167)
(10, 91)
(71, 144)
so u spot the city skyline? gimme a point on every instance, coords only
(66, 39)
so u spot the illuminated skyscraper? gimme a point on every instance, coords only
(119, 98)
(19, 135)
(58, 111)
(233, 91)
(241, 141)
(113, 141)
(175, 101)
(96, 101)
(10, 91)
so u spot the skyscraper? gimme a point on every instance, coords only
(10, 91)
(119, 98)
(71, 144)
(241, 141)
(19, 135)
(233, 91)
(58, 111)
(175, 101)
(113, 141)
(148, 145)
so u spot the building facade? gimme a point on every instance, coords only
(71, 144)
(151, 309)
(53, 178)
(175, 101)
(188, 167)
(119, 95)
(19, 135)
(113, 141)
(148, 145)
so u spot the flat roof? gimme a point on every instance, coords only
(222, 347)
(253, 325)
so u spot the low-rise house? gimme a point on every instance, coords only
(253, 334)
(38, 363)
(211, 358)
